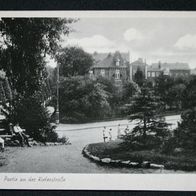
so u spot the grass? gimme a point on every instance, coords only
(2, 160)
(181, 161)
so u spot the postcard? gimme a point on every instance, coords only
(98, 100)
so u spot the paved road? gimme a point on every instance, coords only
(68, 159)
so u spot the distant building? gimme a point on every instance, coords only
(114, 66)
(138, 65)
(117, 68)
(171, 69)
(193, 71)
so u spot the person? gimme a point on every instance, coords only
(2, 144)
(126, 130)
(118, 131)
(21, 135)
(110, 134)
(104, 134)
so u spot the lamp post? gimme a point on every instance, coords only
(57, 93)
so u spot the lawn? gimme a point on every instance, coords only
(114, 150)
(2, 160)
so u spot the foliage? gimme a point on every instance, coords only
(32, 116)
(185, 134)
(64, 140)
(162, 85)
(26, 42)
(82, 99)
(171, 91)
(111, 89)
(189, 94)
(73, 61)
(5, 91)
(139, 77)
(151, 128)
(129, 89)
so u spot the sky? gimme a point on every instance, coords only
(162, 39)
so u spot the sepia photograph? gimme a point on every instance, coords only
(103, 94)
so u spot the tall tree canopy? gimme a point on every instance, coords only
(146, 108)
(82, 99)
(74, 61)
(26, 41)
(186, 131)
(139, 77)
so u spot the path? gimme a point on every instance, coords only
(68, 159)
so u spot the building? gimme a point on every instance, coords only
(171, 69)
(114, 66)
(117, 68)
(193, 72)
(138, 65)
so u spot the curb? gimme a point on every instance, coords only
(120, 163)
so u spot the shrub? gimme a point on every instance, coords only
(33, 116)
(64, 140)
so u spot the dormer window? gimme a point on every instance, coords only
(118, 62)
(102, 72)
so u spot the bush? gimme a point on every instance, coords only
(33, 116)
(82, 100)
(138, 143)
(64, 140)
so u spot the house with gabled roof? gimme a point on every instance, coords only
(117, 68)
(114, 66)
(172, 69)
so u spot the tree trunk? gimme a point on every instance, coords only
(144, 131)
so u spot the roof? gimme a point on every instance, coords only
(171, 66)
(108, 59)
(153, 69)
(193, 71)
(139, 64)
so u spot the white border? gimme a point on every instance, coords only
(100, 14)
(164, 182)
(180, 182)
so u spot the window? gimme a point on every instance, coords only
(117, 74)
(117, 62)
(149, 74)
(153, 74)
(103, 72)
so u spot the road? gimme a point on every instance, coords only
(68, 158)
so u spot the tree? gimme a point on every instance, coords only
(176, 94)
(26, 42)
(150, 128)
(129, 89)
(185, 134)
(111, 89)
(74, 61)
(162, 85)
(82, 99)
(139, 77)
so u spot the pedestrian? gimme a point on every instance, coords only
(21, 135)
(2, 144)
(118, 131)
(126, 130)
(110, 134)
(104, 135)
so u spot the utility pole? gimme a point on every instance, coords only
(57, 93)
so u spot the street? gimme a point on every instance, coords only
(68, 158)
